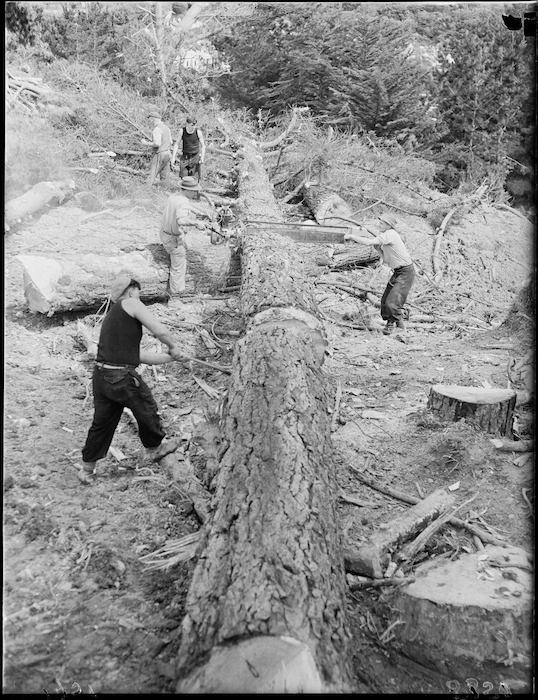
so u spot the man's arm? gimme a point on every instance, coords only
(136, 309)
(372, 240)
(202, 146)
(149, 357)
(157, 138)
(183, 219)
(176, 146)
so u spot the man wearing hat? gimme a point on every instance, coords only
(388, 242)
(179, 213)
(116, 383)
(192, 144)
(161, 144)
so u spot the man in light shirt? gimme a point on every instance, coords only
(161, 143)
(388, 243)
(179, 214)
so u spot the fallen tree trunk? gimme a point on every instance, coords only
(359, 256)
(41, 195)
(265, 610)
(70, 281)
(81, 282)
(326, 206)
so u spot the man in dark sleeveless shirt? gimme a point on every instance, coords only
(161, 143)
(117, 385)
(192, 144)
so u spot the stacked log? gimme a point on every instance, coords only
(265, 610)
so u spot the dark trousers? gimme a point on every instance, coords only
(395, 294)
(189, 164)
(114, 390)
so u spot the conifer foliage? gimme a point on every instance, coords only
(347, 66)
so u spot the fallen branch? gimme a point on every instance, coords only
(435, 254)
(336, 407)
(378, 583)
(412, 549)
(513, 445)
(388, 177)
(275, 142)
(293, 193)
(411, 500)
(356, 502)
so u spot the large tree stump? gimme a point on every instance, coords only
(265, 610)
(35, 199)
(490, 410)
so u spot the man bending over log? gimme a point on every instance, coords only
(117, 385)
(393, 252)
(179, 212)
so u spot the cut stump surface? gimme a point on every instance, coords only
(490, 410)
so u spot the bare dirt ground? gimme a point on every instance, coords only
(79, 605)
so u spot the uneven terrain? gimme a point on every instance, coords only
(79, 604)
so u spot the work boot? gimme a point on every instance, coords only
(388, 328)
(165, 448)
(86, 473)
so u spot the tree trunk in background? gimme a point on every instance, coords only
(326, 205)
(265, 610)
(159, 49)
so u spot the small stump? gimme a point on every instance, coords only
(490, 410)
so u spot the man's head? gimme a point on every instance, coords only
(124, 286)
(190, 125)
(387, 221)
(190, 187)
(154, 117)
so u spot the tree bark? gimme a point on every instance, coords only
(490, 410)
(265, 610)
(37, 198)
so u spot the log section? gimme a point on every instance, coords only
(265, 610)
(35, 199)
(490, 410)
(371, 559)
(83, 282)
(325, 204)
